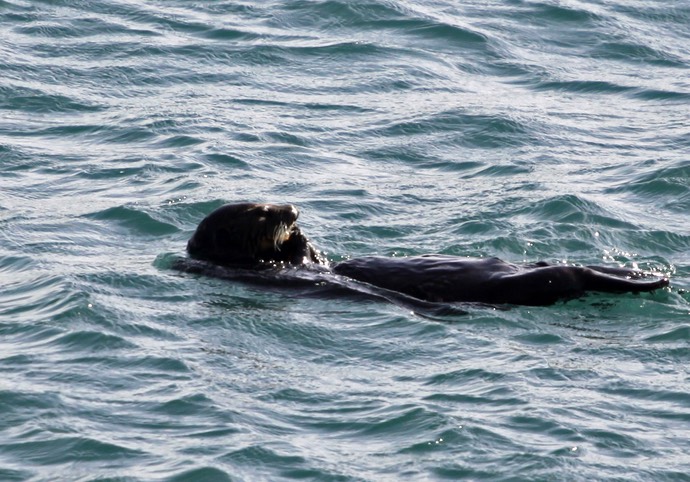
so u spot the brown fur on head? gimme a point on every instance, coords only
(250, 234)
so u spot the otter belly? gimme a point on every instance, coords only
(491, 280)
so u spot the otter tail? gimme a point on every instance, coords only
(596, 280)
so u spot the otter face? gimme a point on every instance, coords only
(245, 234)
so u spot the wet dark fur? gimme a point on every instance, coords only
(253, 236)
(244, 235)
(491, 280)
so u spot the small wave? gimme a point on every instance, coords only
(466, 375)
(318, 106)
(330, 14)
(91, 341)
(90, 133)
(272, 462)
(635, 53)
(561, 13)
(573, 210)
(500, 171)
(584, 86)
(179, 141)
(226, 161)
(390, 17)
(472, 130)
(16, 401)
(675, 334)
(34, 296)
(200, 474)
(671, 181)
(658, 94)
(498, 399)
(37, 101)
(134, 220)
(63, 449)
(229, 34)
(618, 444)
(667, 185)
(187, 405)
(93, 25)
(440, 33)
(15, 264)
(654, 13)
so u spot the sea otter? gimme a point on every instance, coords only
(252, 237)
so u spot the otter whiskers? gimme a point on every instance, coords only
(280, 234)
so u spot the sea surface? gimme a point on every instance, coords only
(554, 130)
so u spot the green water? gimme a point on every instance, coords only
(525, 130)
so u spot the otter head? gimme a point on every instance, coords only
(251, 234)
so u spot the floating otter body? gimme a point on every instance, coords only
(491, 280)
(261, 236)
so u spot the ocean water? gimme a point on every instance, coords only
(553, 130)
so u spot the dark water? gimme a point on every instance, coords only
(556, 130)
